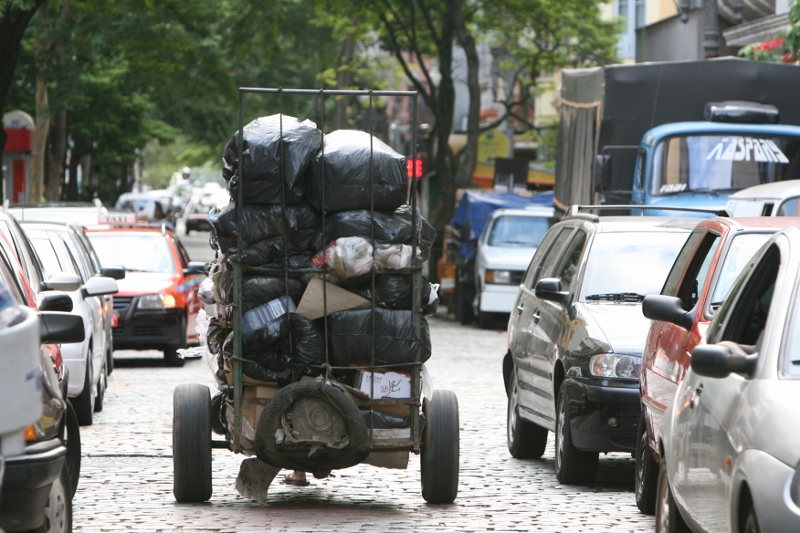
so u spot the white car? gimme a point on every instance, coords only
(505, 248)
(778, 199)
(730, 443)
(61, 249)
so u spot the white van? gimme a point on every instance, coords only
(778, 199)
(505, 248)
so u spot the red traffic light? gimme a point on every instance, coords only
(414, 168)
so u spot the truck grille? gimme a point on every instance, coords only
(122, 302)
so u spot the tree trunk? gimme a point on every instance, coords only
(42, 133)
(469, 154)
(56, 155)
(344, 78)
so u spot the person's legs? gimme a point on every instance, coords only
(298, 477)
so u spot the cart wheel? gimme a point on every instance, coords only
(440, 446)
(191, 443)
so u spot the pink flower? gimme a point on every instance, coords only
(767, 46)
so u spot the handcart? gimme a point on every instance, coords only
(326, 414)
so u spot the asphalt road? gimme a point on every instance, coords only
(126, 477)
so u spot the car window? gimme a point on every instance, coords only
(24, 253)
(629, 262)
(744, 313)
(182, 253)
(135, 251)
(572, 260)
(697, 271)
(788, 208)
(80, 260)
(47, 253)
(527, 279)
(676, 273)
(518, 230)
(791, 341)
(741, 250)
(551, 255)
(8, 279)
(86, 250)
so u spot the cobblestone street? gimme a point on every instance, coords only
(126, 477)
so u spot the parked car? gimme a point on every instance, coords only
(195, 218)
(715, 253)
(82, 213)
(505, 248)
(41, 469)
(729, 441)
(157, 302)
(778, 199)
(576, 335)
(61, 249)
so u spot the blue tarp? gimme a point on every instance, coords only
(475, 208)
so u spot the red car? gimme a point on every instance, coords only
(713, 256)
(157, 303)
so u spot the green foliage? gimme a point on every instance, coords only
(783, 49)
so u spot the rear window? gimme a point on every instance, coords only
(137, 252)
(518, 231)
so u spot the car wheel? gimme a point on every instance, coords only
(58, 508)
(172, 357)
(751, 522)
(573, 466)
(525, 439)
(191, 443)
(645, 484)
(101, 391)
(439, 460)
(84, 402)
(109, 360)
(72, 441)
(668, 517)
(486, 320)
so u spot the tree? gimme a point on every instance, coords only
(785, 48)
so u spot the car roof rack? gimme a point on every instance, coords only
(574, 210)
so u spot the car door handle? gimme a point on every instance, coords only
(536, 316)
(695, 396)
(520, 308)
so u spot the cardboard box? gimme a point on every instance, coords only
(336, 299)
(384, 384)
(254, 398)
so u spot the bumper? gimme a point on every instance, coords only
(592, 406)
(27, 482)
(498, 298)
(149, 330)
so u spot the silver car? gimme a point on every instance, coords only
(730, 441)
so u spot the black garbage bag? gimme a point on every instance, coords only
(268, 142)
(351, 337)
(269, 232)
(291, 339)
(388, 228)
(350, 178)
(381, 420)
(391, 291)
(258, 289)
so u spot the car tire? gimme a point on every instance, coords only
(486, 320)
(72, 441)
(750, 524)
(526, 440)
(84, 402)
(573, 466)
(668, 517)
(57, 511)
(645, 476)
(109, 359)
(101, 391)
(439, 460)
(191, 442)
(172, 357)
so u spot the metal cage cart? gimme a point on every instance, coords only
(350, 383)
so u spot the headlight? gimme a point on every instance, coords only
(500, 277)
(156, 301)
(610, 365)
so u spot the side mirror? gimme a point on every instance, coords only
(195, 267)
(667, 309)
(602, 171)
(100, 285)
(114, 272)
(550, 289)
(55, 301)
(717, 361)
(60, 328)
(63, 281)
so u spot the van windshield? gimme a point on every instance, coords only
(513, 230)
(722, 163)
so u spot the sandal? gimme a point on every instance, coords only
(288, 480)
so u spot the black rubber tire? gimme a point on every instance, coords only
(83, 402)
(191, 442)
(750, 524)
(171, 357)
(58, 509)
(645, 477)
(573, 466)
(72, 441)
(439, 460)
(668, 517)
(110, 358)
(101, 391)
(486, 320)
(525, 439)
(464, 313)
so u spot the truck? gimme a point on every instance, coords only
(680, 133)
(484, 257)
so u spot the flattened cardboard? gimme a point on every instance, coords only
(338, 299)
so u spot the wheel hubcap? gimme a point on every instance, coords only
(55, 513)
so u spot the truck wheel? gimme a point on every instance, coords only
(58, 508)
(172, 358)
(525, 439)
(191, 442)
(645, 483)
(84, 402)
(72, 441)
(440, 448)
(573, 466)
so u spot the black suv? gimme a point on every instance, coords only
(576, 334)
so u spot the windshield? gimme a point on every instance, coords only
(520, 230)
(628, 266)
(742, 249)
(137, 252)
(713, 163)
